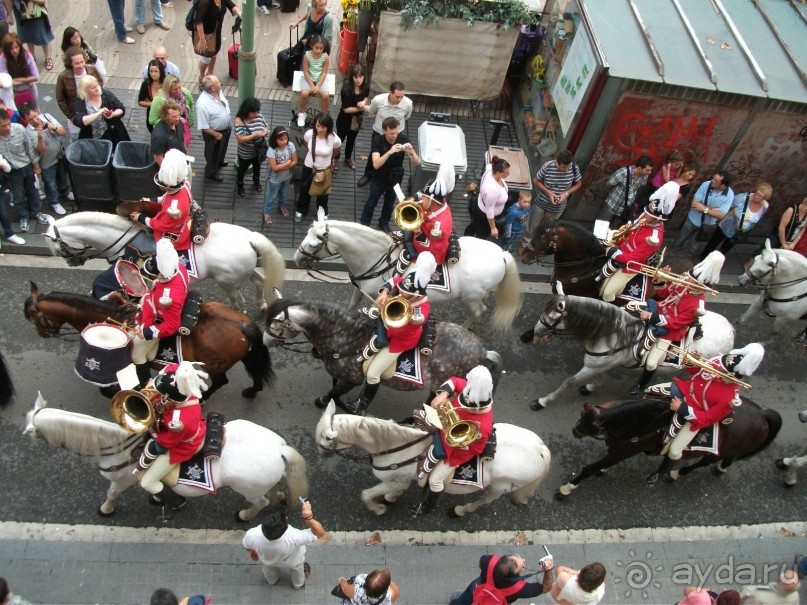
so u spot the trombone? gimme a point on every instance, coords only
(659, 274)
(696, 360)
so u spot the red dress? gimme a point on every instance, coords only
(158, 320)
(636, 248)
(177, 229)
(678, 310)
(707, 396)
(456, 456)
(182, 444)
(406, 337)
(438, 246)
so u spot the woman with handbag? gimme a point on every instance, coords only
(33, 27)
(173, 89)
(323, 147)
(98, 113)
(746, 211)
(20, 65)
(490, 204)
(251, 131)
(355, 92)
(206, 34)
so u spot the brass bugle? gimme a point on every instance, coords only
(703, 363)
(133, 411)
(458, 432)
(397, 312)
(408, 215)
(659, 274)
(617, 236)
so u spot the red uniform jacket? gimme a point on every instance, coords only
(635, 247)
(456, 456)
(162, 223)
(677, 310)
(424, 242)
(707, 396)
(406, 337)
(157, 320)
(182, 444)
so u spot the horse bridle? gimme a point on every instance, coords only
(756, 279)
(323, 243)
(552, 327)
(48, 327)
(79, 254)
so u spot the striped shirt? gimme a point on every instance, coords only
(557, 181)
(247, 150)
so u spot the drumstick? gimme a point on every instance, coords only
(123, 325)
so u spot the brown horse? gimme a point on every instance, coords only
(634, 426)
(222, 337)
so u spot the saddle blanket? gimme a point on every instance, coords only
(471, 474)
(409, 367)
(636, 288)
(188, 258)
(440, 280)
(197, 473)
(671, 360)
(169, 350)
(706, 441)
(143, 246)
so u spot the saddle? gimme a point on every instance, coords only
(425, 344)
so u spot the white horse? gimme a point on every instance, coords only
(371, 256)
(230, 255)
(520, 465)
(253, 460)
(610, 334)
(782, 277)
(792, 464)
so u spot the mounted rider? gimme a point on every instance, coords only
(644, 237)
(707, 397)
(173, 221)
(179, 429)
(161, 309)
(434, 233)
(399, 338)
(676, 309)
(472, 400)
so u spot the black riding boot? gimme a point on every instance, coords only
(143, 374)
(170, 499)
(637, 389)
(652, 478)
(428, 505)
(360, 405)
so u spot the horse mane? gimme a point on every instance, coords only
(379, 431)
(89, 218)
(364, 233)
(592, 247)
(78, 433)
(330, 313)
(628, 418)
(82, 301)
(592, 318)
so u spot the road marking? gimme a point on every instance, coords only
(301, 275)
(12, 530)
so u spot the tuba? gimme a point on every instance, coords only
(696, 360)
(133, 410)
(458, 432)
(408, 215)
(397, 312)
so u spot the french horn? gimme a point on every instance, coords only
(133, 410)
(458, 432)
(408, 215)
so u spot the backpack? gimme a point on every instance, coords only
(191, 16)
(486, 593)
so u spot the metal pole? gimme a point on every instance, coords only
(247, 53)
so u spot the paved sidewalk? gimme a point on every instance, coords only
(61, 564)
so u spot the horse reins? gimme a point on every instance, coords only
(766, 288)
(76, 253)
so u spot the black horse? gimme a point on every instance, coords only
(634, 426)
(6, 386)
(339, 335)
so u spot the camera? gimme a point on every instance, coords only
(302, 500)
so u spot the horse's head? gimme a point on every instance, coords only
(590, 424)
(552, 317)
(30, 427)
(315, 245)
(544, 242)
(46, 324)
(762, 269)
(326, 436)
(281, 322)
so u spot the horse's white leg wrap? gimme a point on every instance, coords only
(567, 489)
(369, 495)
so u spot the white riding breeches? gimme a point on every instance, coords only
(151, 481)
(440, 475)
(680, 442)
(380, 362)
(656, 354)
(614, 285)
(144, 350)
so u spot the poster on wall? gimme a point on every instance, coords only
(575, 74)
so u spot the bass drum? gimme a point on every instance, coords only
(103, 351)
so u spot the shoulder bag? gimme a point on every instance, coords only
(731, 224)
(321, 179)
(705, 232)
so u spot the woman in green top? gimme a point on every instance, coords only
(173, 89)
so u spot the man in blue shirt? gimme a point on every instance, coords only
(711, 203)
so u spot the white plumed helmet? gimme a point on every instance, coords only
(750, 357)
(167, 258)
(174, 169)
(479, 389)
(708, 270)
(424, 267)
(190, 379)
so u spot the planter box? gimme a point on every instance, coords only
(448, 59)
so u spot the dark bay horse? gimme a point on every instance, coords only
(339, 335)
(634, 426)
(6, 385)
(222, 336)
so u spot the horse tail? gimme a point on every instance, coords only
(774, 420)
(494, 363)
(257, 361)
(6, 386)
(296, 477)
(508, 295)
(272, 263)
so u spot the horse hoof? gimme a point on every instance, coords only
(238, 518)
(536, 405)
(559, 495)
(652, 480)
(789, 485)
(249, 393)
(780, 464)
(719, 471)
(602, 472)
(109, 391)
(321, 403)
(670, 477)
(584, 391)
(101, 513)
(527, 336)
(452, 514)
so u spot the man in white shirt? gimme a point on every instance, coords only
(394, 104)
(278, 545)
(213, 119)
(783, 592)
